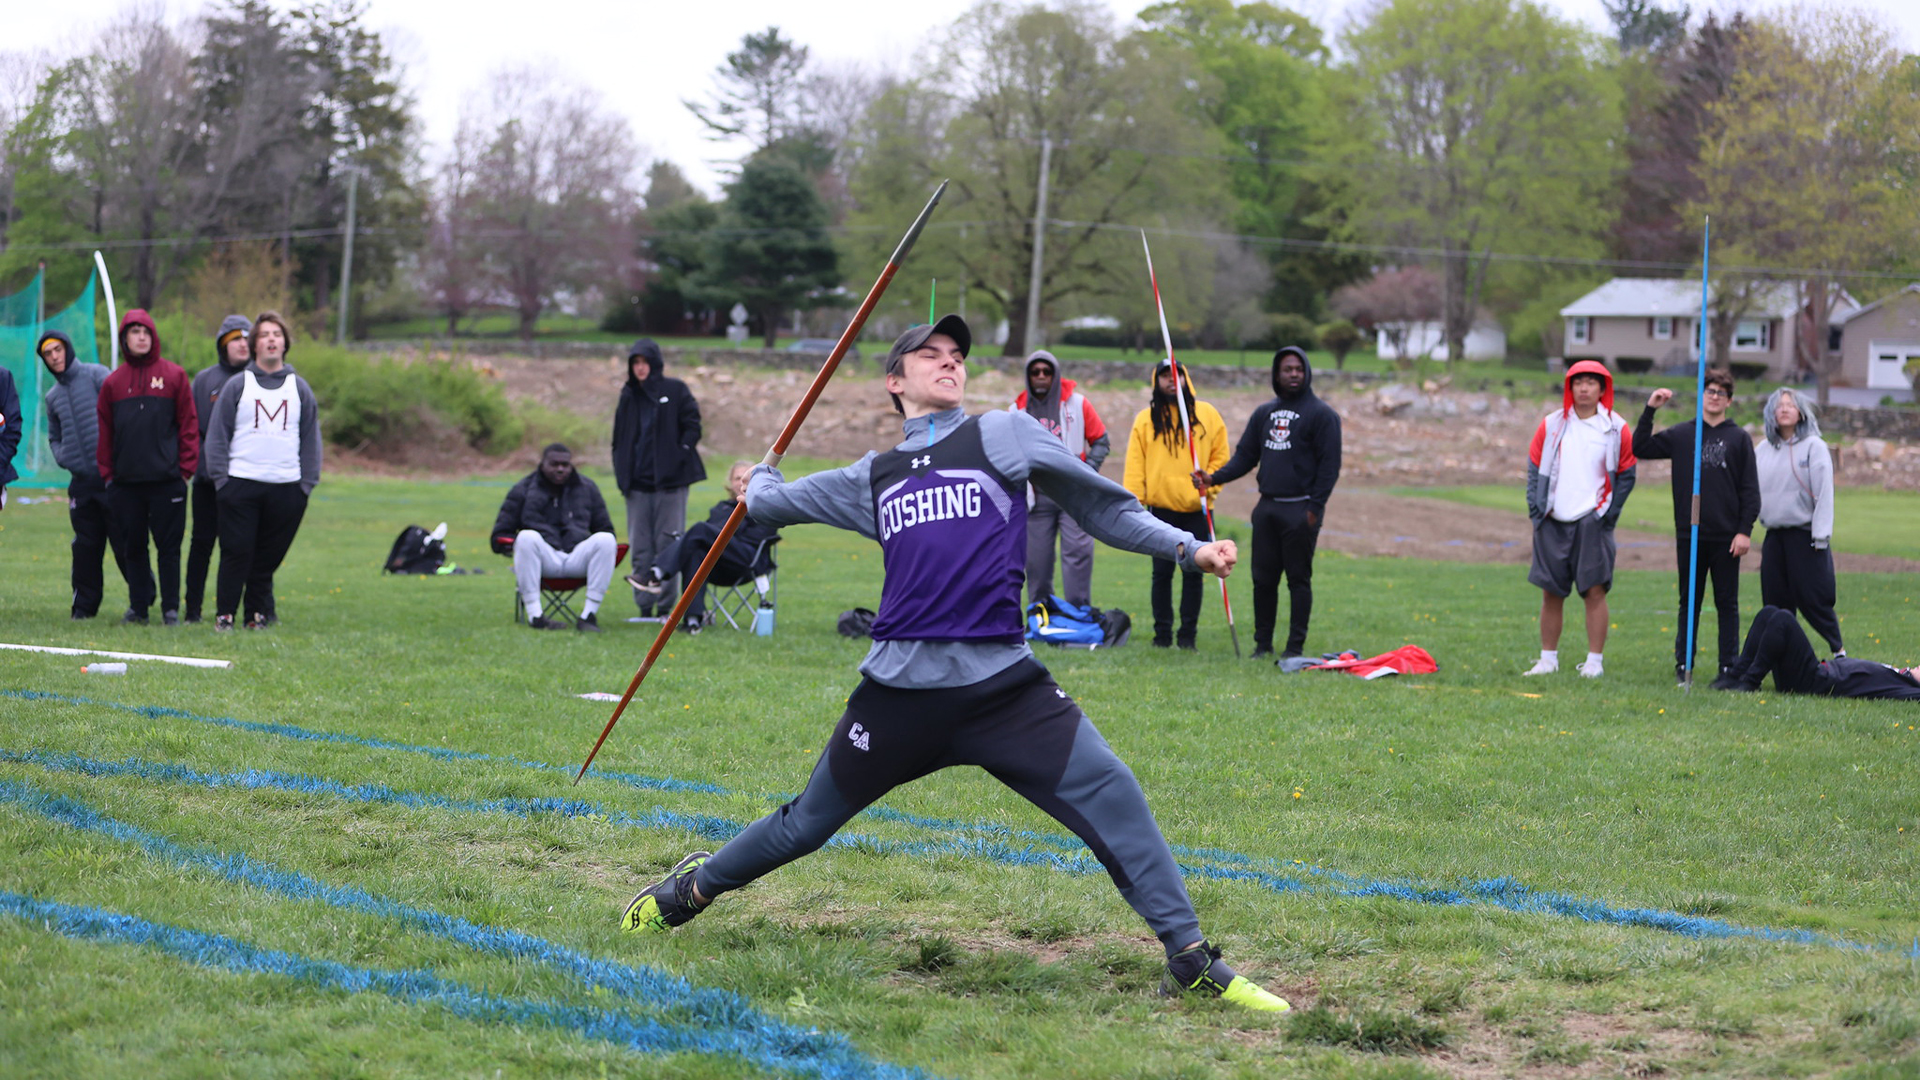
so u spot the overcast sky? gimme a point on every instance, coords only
(646, 57)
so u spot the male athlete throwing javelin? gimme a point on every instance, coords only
(950, 680)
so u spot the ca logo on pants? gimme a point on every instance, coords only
(859, 736)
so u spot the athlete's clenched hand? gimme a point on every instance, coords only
(1217, 558)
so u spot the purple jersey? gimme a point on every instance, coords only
(953, 537)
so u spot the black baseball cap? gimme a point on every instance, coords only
(953, 326)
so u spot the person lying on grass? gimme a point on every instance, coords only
(1775, 643)
(950, 679)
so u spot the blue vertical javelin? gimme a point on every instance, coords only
(1699, 432)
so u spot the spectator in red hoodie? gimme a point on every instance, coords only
(149, 446)
(1065, 412)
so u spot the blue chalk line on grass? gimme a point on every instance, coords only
(751, 1034)
(640, 1034)
(1496, 892)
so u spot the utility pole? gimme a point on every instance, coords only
(1039, 246)
(346, 259)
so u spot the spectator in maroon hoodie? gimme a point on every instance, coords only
(149, 446)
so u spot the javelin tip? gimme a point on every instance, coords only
(919, 223)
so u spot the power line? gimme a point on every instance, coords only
(1397, 251)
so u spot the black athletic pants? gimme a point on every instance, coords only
(1776, 643)
(1192, 592)
(159, 510)
(682, 557)
(1798, 577)
(1020, 727)
(205, 510)
(257, 525)
(1283, 543)
(1719, 564)
(93, 534)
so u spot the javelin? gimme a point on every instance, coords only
(1180, 383)
(773, 457)
(1699, 427)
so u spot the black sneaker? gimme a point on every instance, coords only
(1680, 675)
(170, 618)
(648, 583)
(1200, 970)
(541, 622)
(82, 616)
(133, 618)
(1187, 644)
(192, 617)
(1261, 652)
(666, 903)
(589, 623)
(693, 625)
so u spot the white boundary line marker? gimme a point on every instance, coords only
(189, 661)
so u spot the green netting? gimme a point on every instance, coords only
(20, 330)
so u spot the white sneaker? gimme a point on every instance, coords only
(1591, 669)
(1543, 666)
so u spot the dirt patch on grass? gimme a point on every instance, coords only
(1582, 1045)
(1439, 439)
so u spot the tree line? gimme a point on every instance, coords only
(1430, 159)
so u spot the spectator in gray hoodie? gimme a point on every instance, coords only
(263, 451)
(73, 431)
(1796, 506)
(231, 353)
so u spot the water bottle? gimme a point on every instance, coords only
(763, 620)
(104, 669)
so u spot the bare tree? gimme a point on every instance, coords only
(452, 263)
(555, 189)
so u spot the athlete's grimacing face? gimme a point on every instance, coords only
(932, 378)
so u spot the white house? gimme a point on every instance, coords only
(1485, 341)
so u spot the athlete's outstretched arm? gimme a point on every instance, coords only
(840, 497)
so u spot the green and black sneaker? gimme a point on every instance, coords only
(668, 902)
(1200, 970)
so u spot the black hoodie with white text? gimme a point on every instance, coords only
(1295, 441)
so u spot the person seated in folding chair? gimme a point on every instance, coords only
(736, 563)
(555, 524)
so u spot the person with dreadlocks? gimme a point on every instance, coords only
(1160, 474)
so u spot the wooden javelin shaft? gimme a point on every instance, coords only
(773, 456)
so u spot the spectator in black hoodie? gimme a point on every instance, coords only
(149, 447)
(231, 351)
(655, 431)
(73, 431)
(1295, 440)
(10, 430)
(1729, 504)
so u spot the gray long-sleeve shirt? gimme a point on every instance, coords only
(1796, 485)
(1021, 450)
(217, 450)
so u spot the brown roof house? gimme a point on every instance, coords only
(1880, 344)
(1638, 324)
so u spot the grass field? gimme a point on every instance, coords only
(358, 853)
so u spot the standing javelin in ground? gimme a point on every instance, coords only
(950, 679)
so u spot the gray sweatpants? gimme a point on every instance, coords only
(1022, 729)
(1045, 519)
(654, 519)
(534, 558)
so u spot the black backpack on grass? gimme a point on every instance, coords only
(416, 551)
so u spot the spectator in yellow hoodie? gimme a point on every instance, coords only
(1160, 474)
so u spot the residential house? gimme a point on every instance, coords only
(1486, 340)
(1879, 341)
(1638, 324)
